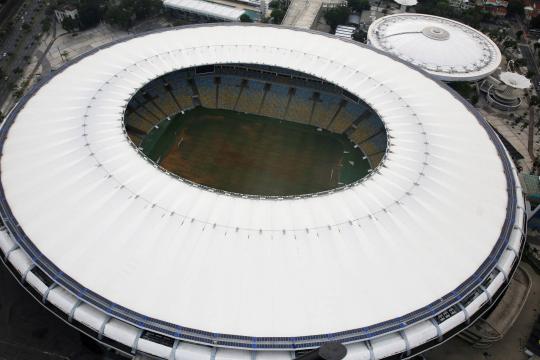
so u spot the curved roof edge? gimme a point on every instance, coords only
(229, 340)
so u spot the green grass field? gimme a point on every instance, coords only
(252, 154)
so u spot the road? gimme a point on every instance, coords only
(532, 66)
(20, 44)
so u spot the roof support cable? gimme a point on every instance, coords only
(465, 312)
(72, 312)
(439, 331)
(407, 343)
(46, 293)
(25, 273)
(13, 248)
(370, 348)
(136, 341)
(483, 288)
(172, 355)
(102, 327)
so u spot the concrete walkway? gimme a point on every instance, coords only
(303, 13)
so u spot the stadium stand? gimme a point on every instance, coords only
(300, 106)
(325, 108)
(229, 91)
(366, 128)
(343, 119)
(374, 147)
(250, 99)
(237, 88)
(207, 91)
(275, 101)
(180, 90)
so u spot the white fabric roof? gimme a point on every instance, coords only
(409, 234)
(466, 54)
(206, 8)
(515, 80)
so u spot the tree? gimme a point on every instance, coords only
(360, 35)
(144, 8)
(516, 7)
(359, 5)
(274, 4)
(535, 22)
(519, 34)
(337, 16)
(125, 12)
(91, 12)
(119, 16)
(70, 24)
(245, 18)
(26, 27)
(277, 16)
(463, 88)
(45, 24)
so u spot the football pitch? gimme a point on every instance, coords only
(253, 154)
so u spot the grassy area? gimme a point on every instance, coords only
(252, 154)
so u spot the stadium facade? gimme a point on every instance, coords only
(447, 49)
(145, 262)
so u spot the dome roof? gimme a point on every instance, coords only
(515, 80)
(449, 50)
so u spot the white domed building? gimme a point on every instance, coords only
(447, 49)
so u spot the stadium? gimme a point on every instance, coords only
(383, 212)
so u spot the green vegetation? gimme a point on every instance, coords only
(279, 9)
(471, 17)
(337, 16)
(516, 7)
(70, 24)
(360, 35)
(535, 22)
(91, 12)
(466, 90)
(45, 24)
(120, 13)
(253, 154)
(358, 5)
(245, 18)
(277, 16)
